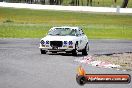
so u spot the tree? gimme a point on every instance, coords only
(72, 2)
(124, 4)
(42, 1)
(60, 2)
(89, 2)
(77, 2)
(51, 2)
(82, 2)
(115, 1)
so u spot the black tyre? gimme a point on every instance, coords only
(85, 50)
(81, 80)
(42, 51)
(74, 52)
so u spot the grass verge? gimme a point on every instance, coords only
(25, 23)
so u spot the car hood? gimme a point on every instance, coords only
(59, 38)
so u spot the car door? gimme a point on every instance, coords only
(80, 39)
(83, 40)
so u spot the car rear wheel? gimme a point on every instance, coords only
(42, 51)
(85, 50)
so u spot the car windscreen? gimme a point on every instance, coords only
(62, 32)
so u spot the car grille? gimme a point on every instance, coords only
(56, 43)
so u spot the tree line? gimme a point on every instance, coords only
(72, 2)
(53, 2)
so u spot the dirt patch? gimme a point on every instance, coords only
(124, 60)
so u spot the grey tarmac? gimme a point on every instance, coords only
(22, 65)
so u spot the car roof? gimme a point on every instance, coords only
(66, 27)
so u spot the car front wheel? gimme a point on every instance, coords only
(74, 52)
(85, 50)
(42, 51)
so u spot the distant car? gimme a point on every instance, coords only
(65, 39)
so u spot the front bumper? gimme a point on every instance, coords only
(58, 49)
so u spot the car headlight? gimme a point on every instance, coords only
(70, 42)
(42, 42)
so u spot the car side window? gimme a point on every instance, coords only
(78, 33)
(81, 32)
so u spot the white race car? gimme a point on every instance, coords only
(65, 39)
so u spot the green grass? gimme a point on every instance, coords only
(22, 30)
(24, 23)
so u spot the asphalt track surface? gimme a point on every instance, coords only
(22, 65)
